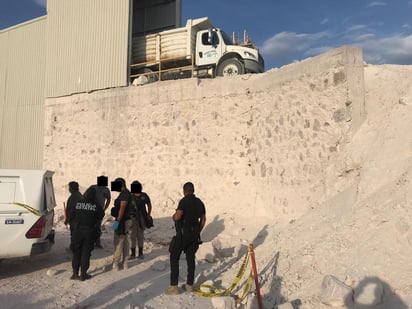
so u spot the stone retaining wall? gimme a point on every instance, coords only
(259, 145)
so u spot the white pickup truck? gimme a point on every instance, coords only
(27, 205)
(198, 49)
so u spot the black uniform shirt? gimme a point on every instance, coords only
(141, 201)
(193, 209)
(87, 214)
(75, 197)
(124, 196)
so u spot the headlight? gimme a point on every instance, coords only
(249, 55)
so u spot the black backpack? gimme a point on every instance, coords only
(141, 209)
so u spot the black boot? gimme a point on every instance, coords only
(75, 275)
(140, 252)
(85, 276)
(133, 255)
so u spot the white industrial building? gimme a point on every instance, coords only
(79, 46)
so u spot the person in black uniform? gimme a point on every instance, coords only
(143, 210)
(189, 218)
(85, 217)
(75, 196)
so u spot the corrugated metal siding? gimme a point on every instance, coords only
(23, 54)
(3, 71)
(87, 45)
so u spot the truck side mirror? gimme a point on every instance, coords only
(210, 36)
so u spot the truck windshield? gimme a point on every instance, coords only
(226, 38)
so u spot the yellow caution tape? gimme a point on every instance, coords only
(29, 208)
(246, 289)
(215, 292)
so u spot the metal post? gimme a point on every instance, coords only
(255, 274)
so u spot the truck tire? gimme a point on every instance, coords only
(230, 67)
(151, 78)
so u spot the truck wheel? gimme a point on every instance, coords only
(150, 78)
(230, 67)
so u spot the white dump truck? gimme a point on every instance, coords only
(198, 49)
(27, 205)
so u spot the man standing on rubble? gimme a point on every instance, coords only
(189, 218)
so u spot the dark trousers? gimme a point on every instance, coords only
(82, 244)
(188, 245)
(99, 232)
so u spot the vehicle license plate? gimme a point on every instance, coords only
(14, 221)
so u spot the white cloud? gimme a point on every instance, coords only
(42, 3)
(390, 50)
(363, 37)
(376, 3)
(283, 44)
(324, 21)
(357, 33)
(356, 28)
(318, 50)
(286, 47)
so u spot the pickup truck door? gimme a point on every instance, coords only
(208, 47)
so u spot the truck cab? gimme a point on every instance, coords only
(27, 205)
(215, 51)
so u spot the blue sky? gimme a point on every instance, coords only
(290, 30)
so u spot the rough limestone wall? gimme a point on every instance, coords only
(258, 145)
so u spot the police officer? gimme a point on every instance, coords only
(189, 218)
(85, 216)
(142, 212)
(75, 196)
